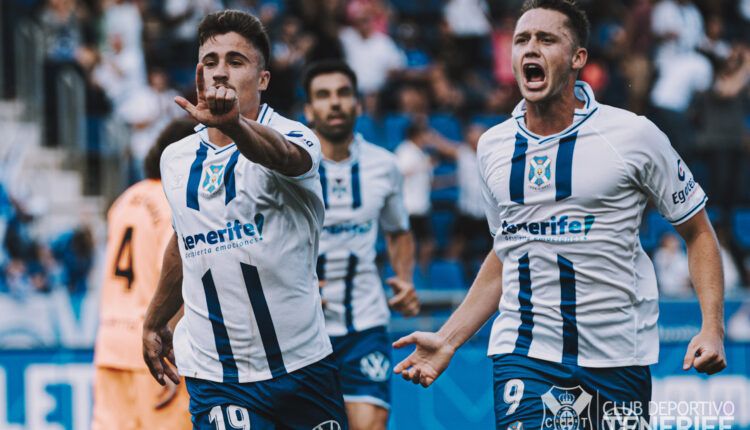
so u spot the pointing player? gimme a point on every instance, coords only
(566, 180)
(361, 188)
(125, 396)
(247, 211)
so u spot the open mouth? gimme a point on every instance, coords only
(534, 73)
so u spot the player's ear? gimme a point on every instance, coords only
(580, 56)
(263, 80)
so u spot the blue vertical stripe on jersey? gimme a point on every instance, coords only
(263, 319)
(351, 271)
(221, 337)
(523, 342)
(356, 191)
(320, 267)
(324, 183)
(564, 166)
(518, 168)
(194, 180)
(568, 310)
(229, 182)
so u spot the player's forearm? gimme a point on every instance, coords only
(478, 306)
(401, 254)
(168, 297)
(706, 274)
(267, 147)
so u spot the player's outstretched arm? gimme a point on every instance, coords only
(401, 254)
(219, 107)
(706, 350)
(157, 334)
(435, 350)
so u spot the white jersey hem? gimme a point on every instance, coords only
(260, 376)
(332, 332)
(582, 362)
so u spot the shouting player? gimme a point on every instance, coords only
(361, 189)
(139, 228)
(566, 181)
(247, 211)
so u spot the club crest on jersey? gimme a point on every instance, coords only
(540, 172)
(375, 366)
(339, 188)
(566, 409)
(213, 178)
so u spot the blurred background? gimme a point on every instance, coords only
(87, 85)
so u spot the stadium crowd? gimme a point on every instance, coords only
(434, 75)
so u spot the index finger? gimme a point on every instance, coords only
(200, 85)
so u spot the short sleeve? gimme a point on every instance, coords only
(305, 139)
(664, 176)
(489, 203)
(393, 216)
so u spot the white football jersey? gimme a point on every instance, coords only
(359, 193)
(249, 239)
(565, 211)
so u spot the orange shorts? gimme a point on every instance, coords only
(125, 400)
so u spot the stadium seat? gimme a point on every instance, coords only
(489, 120)
(447, 125)
(741, 227)
(445, 275)
(442, 225)
(653, 227)
(395, 130)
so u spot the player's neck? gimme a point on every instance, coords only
(552, 116)
(336, 150)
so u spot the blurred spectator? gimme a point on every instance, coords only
(468, 23)
(502, 42)
(416, 166)
(121, 72)
(377, 9)
(732, 275)
(681, 70)
(288, 52)
(75, 252)
(671, 264)
(322, 20)
(721, 119)
(470, 240)
(183, 17)
(372, 55)
(637, 66)
(62, 31)
(122, 18)
(148, 110)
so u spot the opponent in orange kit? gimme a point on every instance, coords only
(125, 395)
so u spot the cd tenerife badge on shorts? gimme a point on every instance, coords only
(566, 409)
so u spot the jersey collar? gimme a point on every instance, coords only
(265, 113)
(354, 150)
(583, 92)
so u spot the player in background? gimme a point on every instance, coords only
(361, 191)
(139, 228)
(247, 211)
(565, 184)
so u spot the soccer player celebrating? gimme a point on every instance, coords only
(361, 188)
(565, 183)
(125, 396)
(247, 211)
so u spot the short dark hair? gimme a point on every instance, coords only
(242, 23)
(578, 22)
(176, 130)
(416, 127)
(323, 67)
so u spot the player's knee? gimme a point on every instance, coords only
(363, 416)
